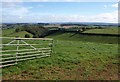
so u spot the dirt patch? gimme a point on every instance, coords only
(82, 71)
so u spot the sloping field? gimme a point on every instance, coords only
(12, 33)
(72, 59)
(6, 32)
(86, 38)
(104, 31)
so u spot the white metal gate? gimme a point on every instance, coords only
(19, 49)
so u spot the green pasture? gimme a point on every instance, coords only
(111, 30)
(84, 38)
(74, 57)
(12, 33)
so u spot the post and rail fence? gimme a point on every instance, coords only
(14, 50)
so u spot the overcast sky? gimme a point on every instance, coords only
(36, 11)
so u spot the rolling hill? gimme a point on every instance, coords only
(86, 38)
(74, 57)
(104, 31)
(12, 33)
(71, 57)
(72, 36)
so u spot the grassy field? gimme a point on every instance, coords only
(74, 57)
(104, 31)
(12, 33)
(85, 38)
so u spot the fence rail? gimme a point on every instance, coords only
(20, 49)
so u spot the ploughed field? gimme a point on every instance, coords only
(74, 57)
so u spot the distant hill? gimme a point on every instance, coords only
(11, 33)
(33, 31)
(86, 23)
(15, 25)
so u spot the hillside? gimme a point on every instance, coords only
(71, 59)
(73, 55)
(103, 31)
(86, 38)
(12, 33)
(33, 31)
(68, 36)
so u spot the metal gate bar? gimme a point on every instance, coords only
(8, 59)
